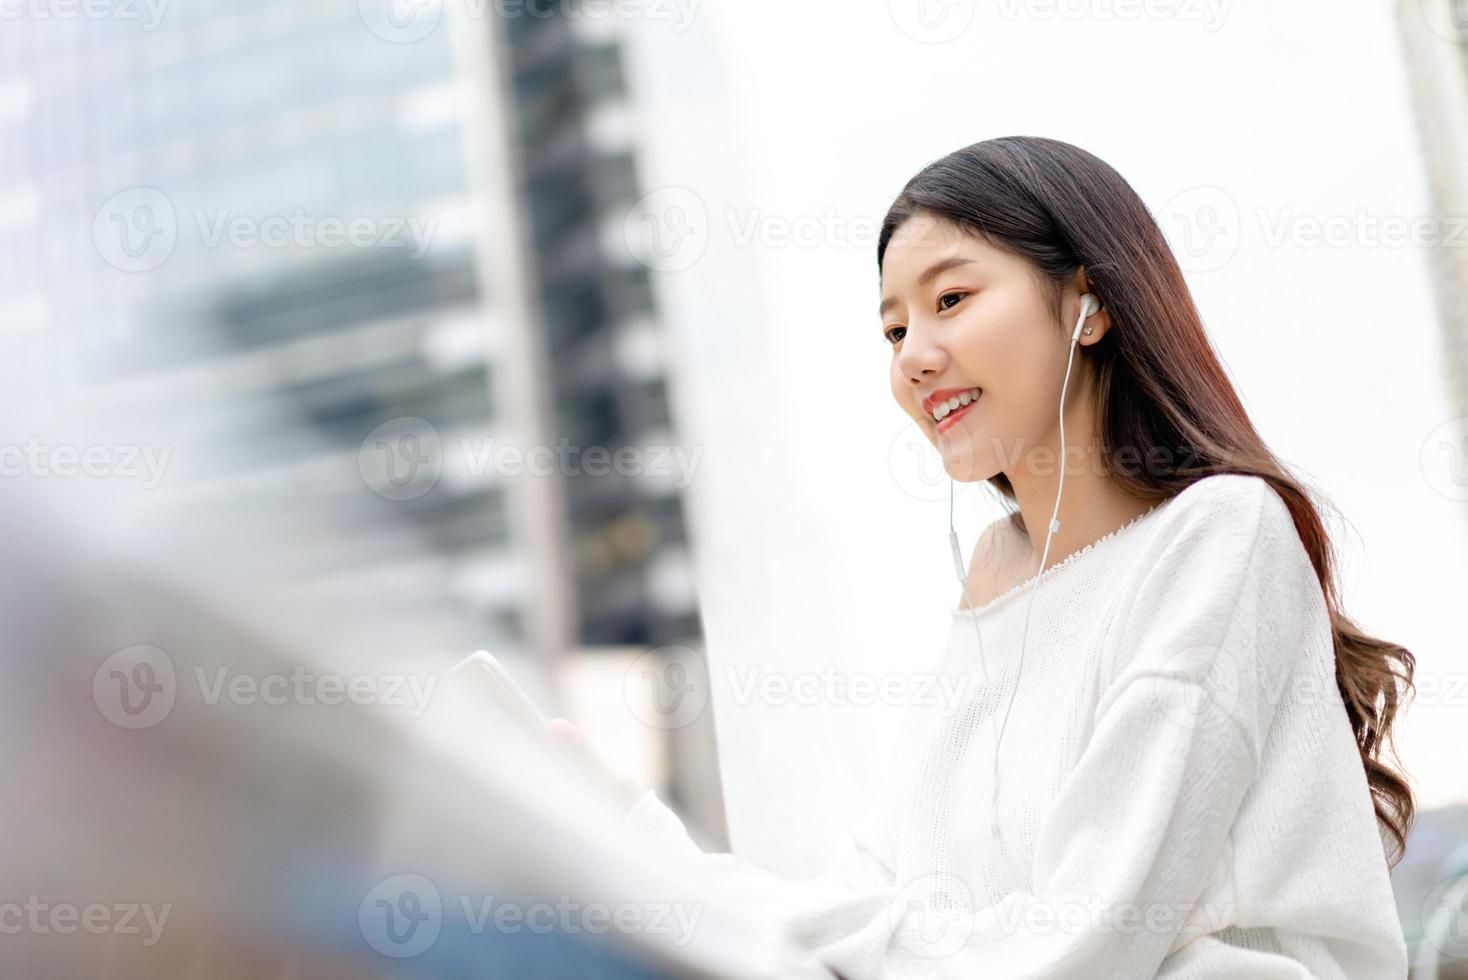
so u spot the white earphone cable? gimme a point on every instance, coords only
(1087, 306)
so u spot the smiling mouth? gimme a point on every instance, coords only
(946, 414)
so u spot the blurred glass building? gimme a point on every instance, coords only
(1431, 883)
(1434, 37)
(354, 271)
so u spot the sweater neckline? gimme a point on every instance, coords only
(1065, 562)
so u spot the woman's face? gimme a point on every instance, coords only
(968, 320)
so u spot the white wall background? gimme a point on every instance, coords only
(819, 539)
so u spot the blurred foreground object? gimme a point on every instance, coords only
(192, 794)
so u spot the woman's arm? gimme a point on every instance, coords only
(844, 902)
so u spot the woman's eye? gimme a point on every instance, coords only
(956, 297)
(895, 334)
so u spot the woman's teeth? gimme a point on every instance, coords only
(942, 409)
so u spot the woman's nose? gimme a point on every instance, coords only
(918, 358)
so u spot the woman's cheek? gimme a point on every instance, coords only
(900, 394)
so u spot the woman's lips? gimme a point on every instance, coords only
(951, 419)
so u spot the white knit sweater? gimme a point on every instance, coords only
(1179, 791)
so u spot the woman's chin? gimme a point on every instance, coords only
(961, 458)
(966, 467)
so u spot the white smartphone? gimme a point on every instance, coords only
(487, 677)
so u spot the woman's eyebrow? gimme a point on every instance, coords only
(931, 273)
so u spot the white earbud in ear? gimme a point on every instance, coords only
(1089, 305)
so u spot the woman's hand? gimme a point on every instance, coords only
(570, 739)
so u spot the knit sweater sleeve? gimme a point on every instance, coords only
(859, 858)
(844, 907)
(1132, 860)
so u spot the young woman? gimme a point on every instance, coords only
(1172, 760)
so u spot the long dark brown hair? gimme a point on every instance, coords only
(1160, 383)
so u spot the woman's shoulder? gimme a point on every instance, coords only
(1231, 535)
(1218, 509)
(1224, 490)
(1223, 568)
(1227, 506)
(1217, 521)
(1226, 533)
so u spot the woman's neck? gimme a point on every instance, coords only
(1092, 505)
